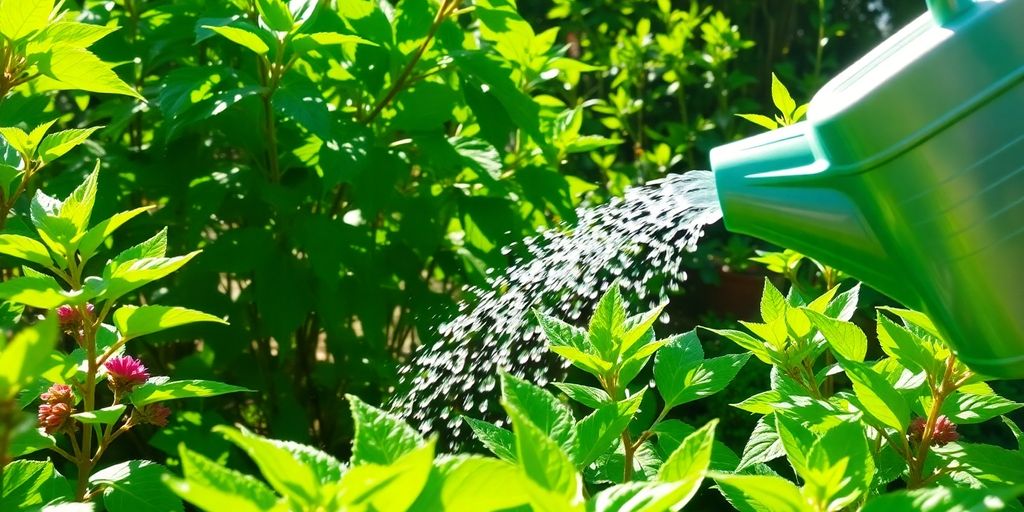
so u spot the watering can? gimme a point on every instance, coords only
(908, 174)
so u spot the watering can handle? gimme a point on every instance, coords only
(945, 11)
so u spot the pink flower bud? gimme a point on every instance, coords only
(59, 393)
(53, 417)
(945, 432)
(67, 316)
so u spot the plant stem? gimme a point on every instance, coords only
(939, 393)
(447, 7)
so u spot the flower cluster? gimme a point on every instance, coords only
(59, 403)
(70, 319)
(943, 433)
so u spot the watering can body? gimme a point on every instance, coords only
(909, 175)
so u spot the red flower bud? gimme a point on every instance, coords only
(67, 316)
(53, 417)
(154, 414)
(945, 432)
(59, 393)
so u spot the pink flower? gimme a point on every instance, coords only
(945, 432)
(154, 414)
(125, 372)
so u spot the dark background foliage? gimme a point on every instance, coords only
(341, 215)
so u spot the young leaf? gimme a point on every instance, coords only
(773, 303)
(392, 487)
(210, 486)
(241, 37)
(380, 438)
(758, 119)
(642, 497)
(25, 248)
(783, 101)
(845, 338)
(135, 321)
(690, 460)
(909, 349)
(761, 403)
(59, 143)
(94, 237)
(38, 292)
(606, 323)
(135, 485)
(880, 400)
(541, 458)
(768, 492)
(303, 43)
(754, 345)
(152, 392)
(675, 359)
(499, 441)
(76, 68)
(104, 416)
(132, 274)
(1016, 431)
(473, 484)
(704, 379)
(541, 408)
(586, 395)
(23, 17)
(287, 475)
(601, 428)
(276, 14)
(636, 327)
(77, 208)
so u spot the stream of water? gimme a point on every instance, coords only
(641, 240)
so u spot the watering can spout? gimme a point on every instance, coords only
(776, 187)
(907, 175)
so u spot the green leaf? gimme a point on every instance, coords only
(104, 416)
(29, 440)
(241, 37)
(839, 467)
(758, 119)
(773, 303)
(96, 235)
(152, 392)
(57, 144)
(154, 247)
(135, 321)
(541, 408)
(845, 338)
(635, 328)
(285, 473)
(761, 403)
(303, 43)
(77, 208)
(642, 497)
(586, 395)
(72, 67)
(474, 484)
(132, 274)
(763, 445)
(880, 400)
(677, 357)
(28, 484)
(560, 333)
(380, 438)
(946, 499)
(25, 248)
(1015, 430)
(541, 458)
(800, 112)
(992, 465)
(18, 139)
(69, 33)
(783, 101)
(754, 345)
(21, 18)
(796, 441)
(603, 427)
(606, 323)
(38, 292)
(690, 460)
(276, 14)
(210, 486)
(671, 434)
(135, 485)
(965, 408)
(703, 379)
(499, 441)
(394, 487)
(914, 318)
(771, 493)
(910, 350)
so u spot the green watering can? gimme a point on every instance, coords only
(909, 175)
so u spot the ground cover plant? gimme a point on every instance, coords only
(224, 224)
